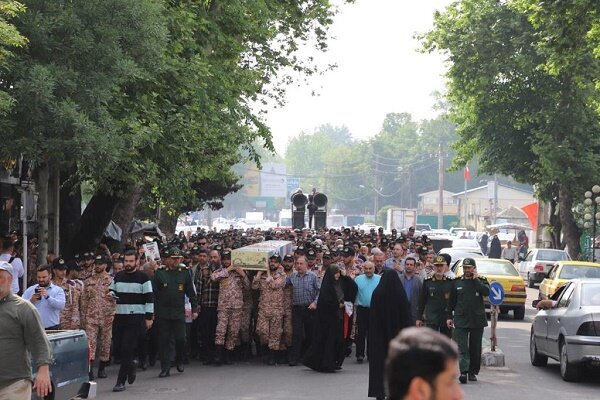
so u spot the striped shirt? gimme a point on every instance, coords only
(134, 293)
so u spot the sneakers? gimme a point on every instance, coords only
(472, 377)
(463, 378)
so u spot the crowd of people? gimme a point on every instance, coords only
(338, 288)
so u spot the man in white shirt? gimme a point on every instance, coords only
(8, 248)
(510, 253)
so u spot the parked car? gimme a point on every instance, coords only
(459, 253)
(503, 271)
(69, 373)
(537, 263)
(570, 331)
(564, 271)
(466, 243)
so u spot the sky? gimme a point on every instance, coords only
(380, 70)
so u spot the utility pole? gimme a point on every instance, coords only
(376, 199)
(440, 222)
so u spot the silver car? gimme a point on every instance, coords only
(534, 268)
(570, 331)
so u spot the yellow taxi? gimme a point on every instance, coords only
(564, 271)
(504, 272)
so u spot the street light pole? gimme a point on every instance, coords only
(592, 198)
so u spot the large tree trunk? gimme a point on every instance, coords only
(70, 212)
(93, 221)
(569, 227)
(167, 224)
(43, 175)
(125, 210)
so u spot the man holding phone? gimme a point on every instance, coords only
(48, 298)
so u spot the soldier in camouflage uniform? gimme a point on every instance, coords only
(232, 279)
(246, 331)
(270, 307)
(434, 299)
(98, 310)
(286, 337)
(88, 266)
(69, 316)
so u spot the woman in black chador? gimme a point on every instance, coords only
(389, 314)
(328, 340)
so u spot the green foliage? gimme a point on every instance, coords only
(10, 38)
(521, 84)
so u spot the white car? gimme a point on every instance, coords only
(466, 244)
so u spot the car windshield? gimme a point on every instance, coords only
(579, 271)
(552, 255)
(496, 267)
(590, 294)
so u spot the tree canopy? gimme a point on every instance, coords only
(521, 85)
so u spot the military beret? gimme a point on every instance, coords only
(288, 257)
(195, 250)
(275, 257)
(423, 250)
(327, 255)
(226, 254)
(311, 254)
(469, 262)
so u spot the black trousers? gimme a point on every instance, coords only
(469, 349)
(193, 339)
(362, 329)
(126, 332)
(302, 331)
(148, 344)
(208, 325)
(168, 329)
(442, 328)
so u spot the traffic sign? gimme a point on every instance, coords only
(496, 293)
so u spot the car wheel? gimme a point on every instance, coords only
(537, 360)
(519, 313)
(570, 372)
(530, 282)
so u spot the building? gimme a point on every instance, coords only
(480, 210)
(429, 203)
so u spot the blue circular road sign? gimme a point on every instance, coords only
(496, 293)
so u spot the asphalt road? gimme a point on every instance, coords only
(252, 381)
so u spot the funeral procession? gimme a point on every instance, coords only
(298, 200)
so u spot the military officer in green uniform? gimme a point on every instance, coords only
(434, 298)
(466, 314)
(171, 283)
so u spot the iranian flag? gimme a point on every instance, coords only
(467, 173)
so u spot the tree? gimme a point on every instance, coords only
(10, 38)
(515, 111)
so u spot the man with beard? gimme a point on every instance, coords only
(69, 316)
(434, 299)
(379, 261)
(98, 311)
(389, 313)
(172, 283)
(413, 285)
(135, 311)
(269, 326)
(88, 266)
(466, 314)
(286, 337)
(398, 254)
(231, 279)
(48, 298)
(199, 261)
(208, 291)
(349, 266)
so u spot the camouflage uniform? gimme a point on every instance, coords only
(98, 311)
(245, 326)
(354, 270)
(286, 336)
(269, 326)
(87, 273)
(70, 315)
(229, 308)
